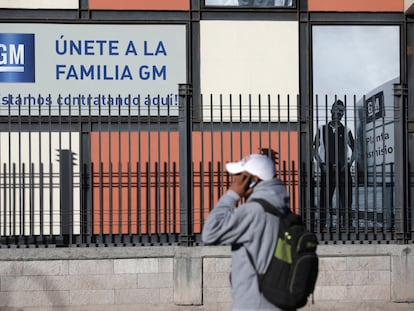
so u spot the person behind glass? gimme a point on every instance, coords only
(333, 149)
(247, 227)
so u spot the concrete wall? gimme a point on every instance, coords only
(190, 278)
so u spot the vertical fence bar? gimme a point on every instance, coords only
(374, 173)
(365, 170)
(139, 175)
(269, 132)
(110, 175)
(41, 201)
(357, 179)
(3, 224)
(311, 170)
(174, 207)
(69, 126)
(66, 193)
(383, 206)
(9, 171)
(120, 177)
(202, 164)
(158, 175)
(21, 177)
(294, 183)
(14, 200)
(212, 144)
(250, 124)
(157, 205)
(317, 171)
(82, 218)
(23, 198)
(348, 187)
(50, 177)
(186, 184)
(165, 207)
(111, 195)
(279, 134)
(148, 172)
(327, 218)
(40, 174)
(168, 176)
(260, 124)
(231, 126)
(139, 196)
(410, 168)
(148, 195)
(129, 191)
(32, 199)
(240, 126)
(220, 173)
(291, 171)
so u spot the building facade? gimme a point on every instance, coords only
(117, 118)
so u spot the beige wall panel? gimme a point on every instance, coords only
(39, 4)
(250, 58)
(18, 150)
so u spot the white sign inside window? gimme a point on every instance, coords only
(91, 69)
(39, 4)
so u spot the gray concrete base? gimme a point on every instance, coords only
(332, 306)
(351, 277)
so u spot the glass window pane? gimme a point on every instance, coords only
(250, 3)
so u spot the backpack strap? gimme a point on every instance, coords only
(289, 217)
(268, 208)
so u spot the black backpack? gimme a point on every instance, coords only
(291, 276)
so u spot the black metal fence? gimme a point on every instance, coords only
(133, 178)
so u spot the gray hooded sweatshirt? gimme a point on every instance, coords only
(247, 227)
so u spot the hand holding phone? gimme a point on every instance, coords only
(240, 184)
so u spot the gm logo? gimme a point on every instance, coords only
(17, 57)
(374, 107)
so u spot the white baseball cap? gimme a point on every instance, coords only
(255, 164)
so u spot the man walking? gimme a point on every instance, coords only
(247, 227)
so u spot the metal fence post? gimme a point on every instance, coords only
(186, 182)
(410, 186)
(66, 194)
(401, 162)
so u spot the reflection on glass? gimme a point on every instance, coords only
(250, 3)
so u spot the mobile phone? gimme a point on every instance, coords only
(252, 183)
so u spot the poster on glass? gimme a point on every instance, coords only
(354, 71)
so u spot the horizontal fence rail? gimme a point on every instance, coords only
(104, 179)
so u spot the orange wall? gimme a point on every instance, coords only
(118, 208)
(175, 5)
(123, 152)
(357, 5)
(233, 147)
